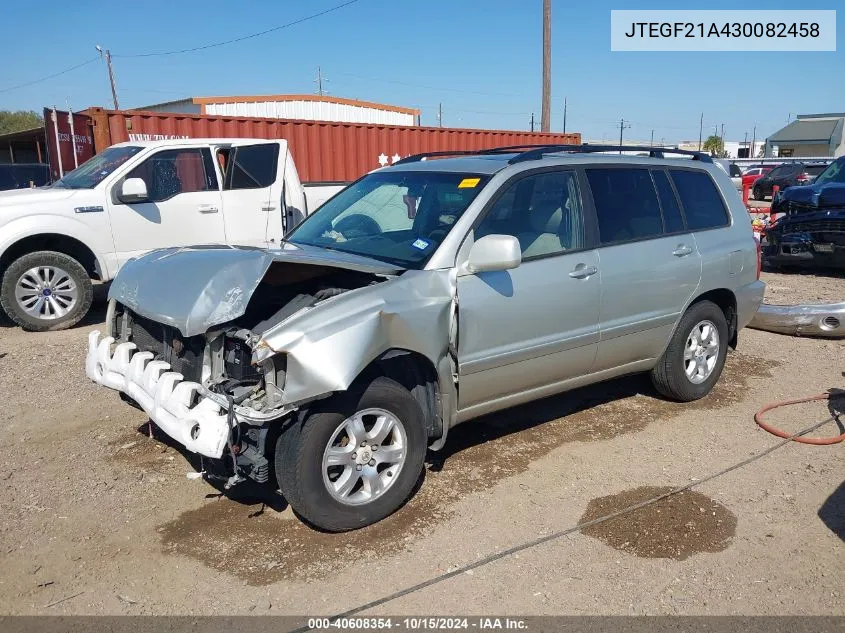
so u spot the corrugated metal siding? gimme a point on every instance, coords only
(310, 111)
(323, 151)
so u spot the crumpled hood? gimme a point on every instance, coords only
(33, 196)
(195, 288)
(814, 197)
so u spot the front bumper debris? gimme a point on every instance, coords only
(174, 404)
(824, 320)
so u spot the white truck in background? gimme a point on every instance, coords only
(135, 197)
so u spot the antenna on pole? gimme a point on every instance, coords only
(564, 115)
(319, 81)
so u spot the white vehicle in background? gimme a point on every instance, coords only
(133, 198)
(732, 170)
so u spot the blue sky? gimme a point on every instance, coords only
(480, 59)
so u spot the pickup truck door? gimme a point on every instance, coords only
(253, 192)
(182, 208)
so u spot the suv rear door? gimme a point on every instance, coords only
(253, 184)
(649, 262)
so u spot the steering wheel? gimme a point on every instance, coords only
(357, 225)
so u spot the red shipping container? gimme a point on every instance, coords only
(324, 151)
(73, 152)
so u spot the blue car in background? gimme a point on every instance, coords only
(812, 231)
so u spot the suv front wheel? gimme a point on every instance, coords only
(695, 357)
(355, 459)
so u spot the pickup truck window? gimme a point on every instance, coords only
(174, 171)
(252, 166)
(400, 217)
(92, 172)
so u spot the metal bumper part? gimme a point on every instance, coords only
(826, 320)
(174, 404)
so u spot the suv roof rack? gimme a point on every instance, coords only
(536, 152)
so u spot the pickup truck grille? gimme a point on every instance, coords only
(814, 226)
(183, 353)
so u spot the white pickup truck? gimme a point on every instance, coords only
(133, 198)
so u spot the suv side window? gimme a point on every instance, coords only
(173, 171)
(673, 221)
(543, 211)
(703, 205)
(252, 166)
(626, 204)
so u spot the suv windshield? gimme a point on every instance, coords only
(399, 217)
(833, 173)
(92, 172)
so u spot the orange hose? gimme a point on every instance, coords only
(817, 441)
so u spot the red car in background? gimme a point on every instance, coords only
(753, 173)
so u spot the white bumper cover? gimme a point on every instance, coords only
(163, 394)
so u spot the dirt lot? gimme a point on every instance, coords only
(99, 518)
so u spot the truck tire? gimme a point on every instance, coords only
(695, 357)
(45, 290)
(355, 459)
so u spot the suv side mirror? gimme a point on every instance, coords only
(133, 191)
(494, 253)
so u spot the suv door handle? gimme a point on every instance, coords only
(682, 251)
(582, 271)
(207, 208)
(268, 208)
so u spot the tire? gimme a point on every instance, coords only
(303, 448)
(61, 306)
(670, 375)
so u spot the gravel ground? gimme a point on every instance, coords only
(804, 287)
(98, 518)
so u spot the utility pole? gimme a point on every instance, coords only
(722, 135)
(319, 82)
(546, 115)
(564, 115)
(700, 130)
(652, 139)
(107, 55)
(623, 125)
(532, 121)
(753, 141)
(439, 115)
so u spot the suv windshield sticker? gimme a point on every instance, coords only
(420, 244)
(469, 183)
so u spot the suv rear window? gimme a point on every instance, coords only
(703, 205)
(626, 204)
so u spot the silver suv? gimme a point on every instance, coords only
(424, 295)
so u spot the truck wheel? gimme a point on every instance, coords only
(693, 361)
(355, 459)
(46, 290)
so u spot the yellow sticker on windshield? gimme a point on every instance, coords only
(469, 183)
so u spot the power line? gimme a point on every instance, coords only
(61, 72)
(244, 37)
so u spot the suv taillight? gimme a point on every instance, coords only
(804, 177)
(759, 259)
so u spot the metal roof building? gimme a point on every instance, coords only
(809, 135)
(302, 107)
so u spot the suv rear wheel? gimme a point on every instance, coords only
(355, 459)
(46, 290)
(695, 357)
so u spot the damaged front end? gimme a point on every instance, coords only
(219, 346)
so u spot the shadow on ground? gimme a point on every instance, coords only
(832, 512)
